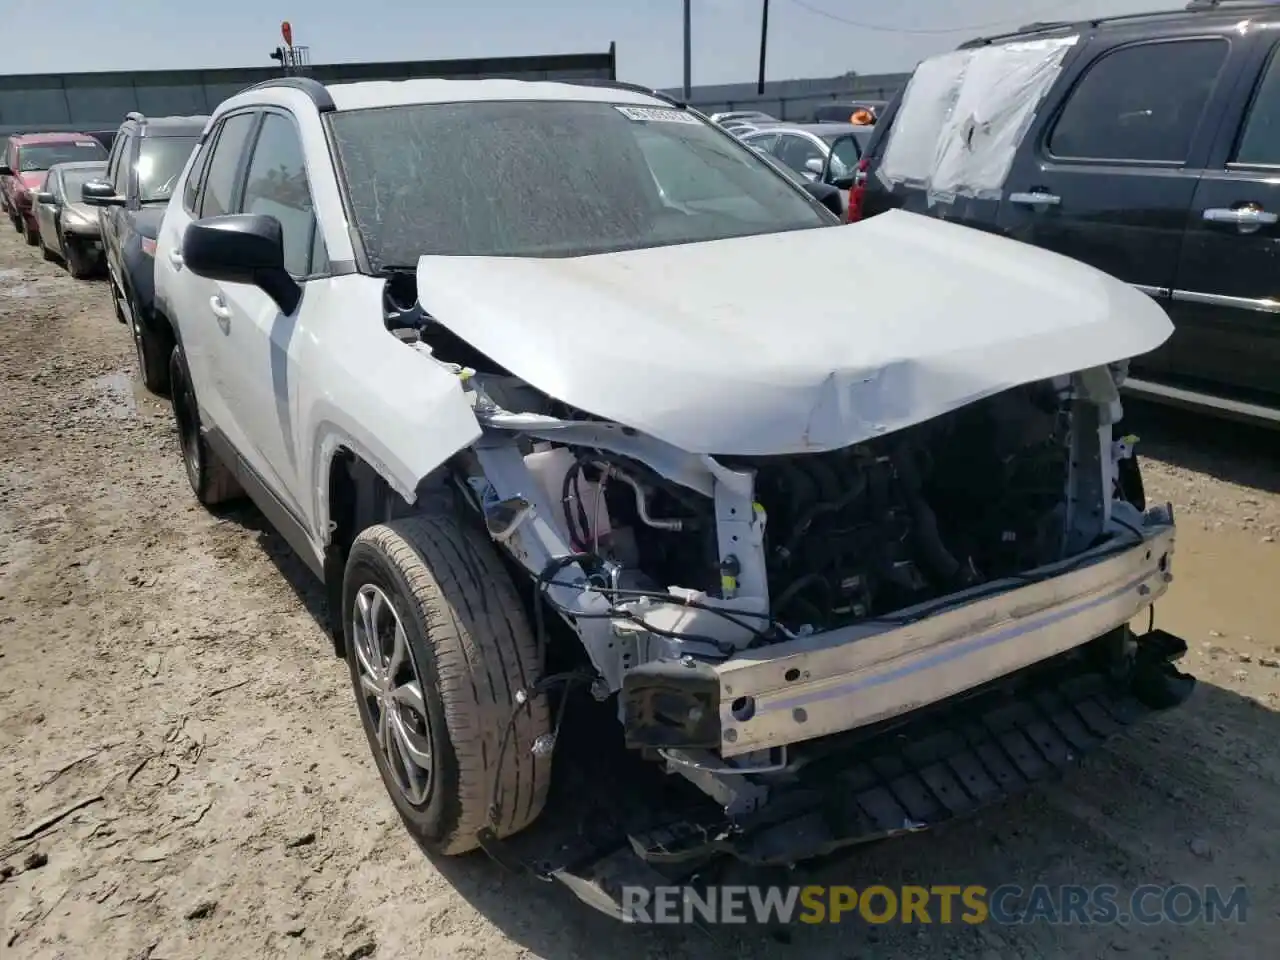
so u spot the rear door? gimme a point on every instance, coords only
(194, 301)
(112, 219)
(47, 213)
(1226, 296)
(1107, 176)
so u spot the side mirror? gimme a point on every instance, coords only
(100, 193)
(6, 170)
(242, 248)
(815, 166)
(44, 196)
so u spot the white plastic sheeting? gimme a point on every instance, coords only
(964, 114)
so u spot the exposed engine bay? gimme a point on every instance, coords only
(670, 566)
(854, 533)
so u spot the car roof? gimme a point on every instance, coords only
(1212, 12)
(63, 137)
(168, 126)
(386, 93)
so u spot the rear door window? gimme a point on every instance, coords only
(192, 188)
(120, 176)
(224, 166)
(1140, 103)
(1259, 142)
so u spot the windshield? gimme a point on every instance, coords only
(160, 163)
(42, 156)
(551, 178)
(73, 180)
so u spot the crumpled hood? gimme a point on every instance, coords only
(792, 342)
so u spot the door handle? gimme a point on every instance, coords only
(219, 308)
(1248, 219)
(1035, 198)
(175, 257)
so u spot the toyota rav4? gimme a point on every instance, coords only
(530, 375)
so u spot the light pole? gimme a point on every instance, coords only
(688, 52)
(764, 45)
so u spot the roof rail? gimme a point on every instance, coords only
(1194, 5)
(624, 85)
(313, 88)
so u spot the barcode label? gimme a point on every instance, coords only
(657, 115)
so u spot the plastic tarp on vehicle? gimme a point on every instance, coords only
(964, 114)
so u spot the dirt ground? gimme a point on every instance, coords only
(167, 672)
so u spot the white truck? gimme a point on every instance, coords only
(532, 376)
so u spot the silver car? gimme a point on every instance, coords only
(69, 228)
(823, 152)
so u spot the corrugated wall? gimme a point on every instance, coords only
(99, 101)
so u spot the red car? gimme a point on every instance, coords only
(26, 158)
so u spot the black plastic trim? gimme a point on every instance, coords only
(314, 89)
(278, 514)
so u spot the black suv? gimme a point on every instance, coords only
(147, 158)
(1155, 156)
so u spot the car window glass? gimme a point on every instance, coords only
(277, 186)
(844, 157)
(121, 178)
(54, 186)
(795, 151)
(219, 186)
(192, 186)
(113, 159)
(1140, 103)
(159, 164)
(764, 141)
(1260, 138)
(682, 175)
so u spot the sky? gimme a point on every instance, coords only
(807, 38)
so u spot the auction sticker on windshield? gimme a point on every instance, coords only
(656, 114)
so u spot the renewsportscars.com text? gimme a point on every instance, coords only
(941, 904)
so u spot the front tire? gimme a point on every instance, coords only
(211, 480)
(436, 686)
(77, 261)
(29, 233)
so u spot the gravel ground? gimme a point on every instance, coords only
(166, 672)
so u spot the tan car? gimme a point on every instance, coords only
(69, 228)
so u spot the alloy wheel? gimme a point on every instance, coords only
(391, 691)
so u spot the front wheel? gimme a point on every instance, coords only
(211, 480)
(30, 233)
(438, 647)
(79, 264)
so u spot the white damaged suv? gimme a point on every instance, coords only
(535, 378)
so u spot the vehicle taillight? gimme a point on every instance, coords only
(857, 192)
